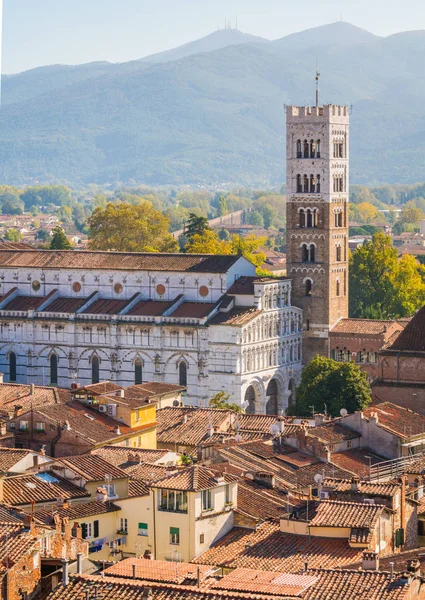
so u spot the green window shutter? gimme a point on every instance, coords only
(143, 525)
(399, 537)
(84, 530)
(96, 529)
(174, 530)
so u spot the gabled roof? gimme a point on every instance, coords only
(79, 510)
(10, 456)
(117, 261)
(402, 422)
(369, 488)
(43, 487)
(124, 457)
(355, 461)
(412, 338)
(333, 432)
(333, 513)
(17, 394)
(236, 316)
(362, 326)
(159, 570)
(194, 479)
(90, 467)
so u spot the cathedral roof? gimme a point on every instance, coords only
(412, 338)
(121, 261)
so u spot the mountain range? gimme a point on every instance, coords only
(211, 112)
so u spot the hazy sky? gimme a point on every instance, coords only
(41, 32)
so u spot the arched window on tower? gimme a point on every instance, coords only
(299, 185)
(299, 149)
(318, 184)
(302, 218)
(306, 184)
(318, 149)
(312, 148)
(337, 290)
(53, 369)
(309, 218)
(95, 369)
(12, 366)
(338, 254)
(315, 218)
(312, 253)
(306, 149)
(312, 184)
(308, 287)
(304, 253)
(182, 374)
(138, 371)
(340, 219)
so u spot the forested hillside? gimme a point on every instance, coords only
(215, 117)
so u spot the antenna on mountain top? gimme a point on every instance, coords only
(317, 85)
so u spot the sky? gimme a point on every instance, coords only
(44, 32)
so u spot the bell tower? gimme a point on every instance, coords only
(317, 172)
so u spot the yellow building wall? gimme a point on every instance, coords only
(144, 416)
(332, 532)
(108, 526)
(138, 510)
(121, 487)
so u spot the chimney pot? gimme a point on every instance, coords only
(370, 561)
(134, 566)
(1, 377)
(32, 389)
(79, 563)
(65, 572)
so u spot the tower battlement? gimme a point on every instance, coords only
(328, 112)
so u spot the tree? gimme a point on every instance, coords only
(207, 243)
(255, 218)
(223, 234)
(328, 385)
(127, 228)
(59, 240)
(222, 207)
(364, 212)
(43, 235)
(269, 215)
(12, 235)
(220, 400)
(196, 225)
(11, 204)
(249, 247)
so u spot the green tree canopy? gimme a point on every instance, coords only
(130, 228)
(12, 235)
(59, 240)
(328, 385)
(196, 225)
(221, 400)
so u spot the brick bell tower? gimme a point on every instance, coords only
(317, 175)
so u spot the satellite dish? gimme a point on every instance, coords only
(238, 438)
(343, 412)
(274, 429)
(318, 478)
(176, 403)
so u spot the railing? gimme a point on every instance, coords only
(388, 469)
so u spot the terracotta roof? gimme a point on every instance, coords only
(65, 305)
(266, 582)
(117, 261)
(152, 388)
(195, 310)
(10, 456)
(90, 467)
(412, 338)
(16, 394)
(22, 489)
(371, 488)
(188, 426)
(149, 308)
(243, 285)
(332, 433)
(333, 513)
(355, 461)
(78, 510)
(124, 458)
(267, 548)
(362, 326)
(194, 479)
(148, 472)
(137, 488)
(402, 422)
(263, 503)
(14, 544)
(235, 316)
(103, 387)
(24, 303)
(106, 306)
(159, 570)
(92, 426)
(258, 422)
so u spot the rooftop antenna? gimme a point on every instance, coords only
(317, 85)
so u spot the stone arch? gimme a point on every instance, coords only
(291, 392)
(254, 397)
(272, 394)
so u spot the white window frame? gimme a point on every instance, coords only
(207, 500)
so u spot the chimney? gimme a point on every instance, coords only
(370, 561)
(354, 484)
(392, 570)
(280, 424)
(210, 430)
(43, 450)
(414, 566)
(79, 563)
(101, 494)
(148, 555)
(147, 592)
(373, 418)
(67, 426)
(134, 567)
(319, 419)
(122, 393)
(17, 410)
(305, 566)
(184, 420)
(117, 430)
(65, 572)
(32, 389)
(1, 377)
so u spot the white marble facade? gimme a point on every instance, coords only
(76, 317)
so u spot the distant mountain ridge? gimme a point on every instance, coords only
(211, 112)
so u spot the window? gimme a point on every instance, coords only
(306, 184)
(123, 525)
(173, 501)
(40, 427)
(201, 538)
(302, 218)
(207, 503)
(299, 185)
(110, 490)
(306, 149)
(87, 530)
(307, 324)
(349, 444)
(299, 149)
(143, 529)
(12, 366)
(338, 254)
(337, 290)
(95, 369)
(53, 369)
(228, 498)
(308, 287)
(138, 371)
(183, 374)
(23, 425)
(174, 536)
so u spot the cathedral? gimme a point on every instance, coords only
(207, 323)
